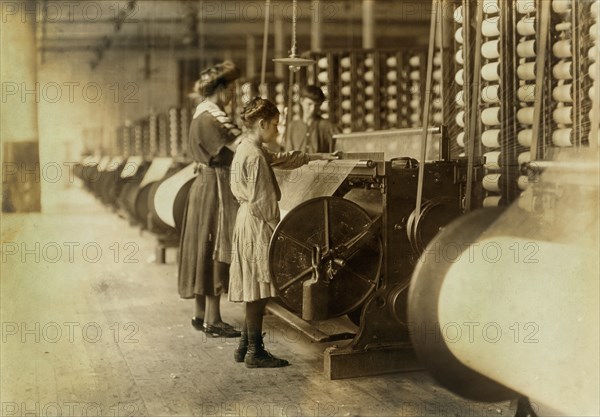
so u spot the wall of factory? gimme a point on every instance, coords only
(80, 108)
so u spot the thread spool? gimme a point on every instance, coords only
(459, 77)
(415, 60)
(346, 118)
(437, 75)
(562, 49)
(525, 6)
(415, 75)
(491, 116)
(460, 139)
(562, 137)
(490, 49)
(563, 26)
(491, 94)
(563, 70)
(563, 93)
(593, 53)
(392, 104)
(324, 107)
(526, 71)
(526, 93)
(491, 183)
(460, 118)
(322, 62)
(345, 62)
(415, 103)
(346, 76)
(369, 118)
(594, 31)
(369, 76)
(525, 115)
(526, 49)
(489, 27)
(460, 98)
(458, 35)
(346, 105)
(459, 57)
(437, 118)
(524, 137)
(369, 62)
(593, 71)
(369, 90)
(526, 26)
(524, 157)
(491, 138)
(490, 72)
(391, 61)
(458, 15)
(437, 89)
(491, 7)
(415, 118)
(392, 90)
(369, 104)
(492, 160)
(279, 87)
(437, 59)
(323, 77)
(562, 115)
(279, 98)
(392, 76)
(392, 118)
(561, 6)
(523, 182)
(346, 90)
(491, 201)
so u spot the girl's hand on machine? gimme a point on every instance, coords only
(324, 156)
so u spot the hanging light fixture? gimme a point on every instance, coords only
(294, 61)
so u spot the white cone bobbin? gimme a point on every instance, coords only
(563, 93)
(524, 137)
(459, 77)
(490, 72)
(460, 139)
(523, 182)
(491, 201)
(459, 99)
(460, 118)
(491, 49)
(492, 160)
(491, 183)
(562, 115)
(459, 57)
(458, 15)
(526, 71)
(491, 138)
(525, 6)
(524, 157)
(491, 116)
(491, 94)
(563, 70)
(489, 27)
(525, 115)
(526, 49)
(526, 26)
(526, 92)
(562, 137)
(561, 6)
(562, 49)
(322, 62)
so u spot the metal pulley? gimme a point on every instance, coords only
(434, 214)
(325, 257)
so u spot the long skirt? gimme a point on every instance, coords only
(205, 244)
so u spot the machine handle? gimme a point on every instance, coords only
(404, 162)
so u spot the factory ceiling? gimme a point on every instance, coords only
(96, 27)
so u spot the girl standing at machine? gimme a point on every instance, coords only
(205, 246)
(254, 185)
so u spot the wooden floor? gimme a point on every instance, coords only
(92, 326)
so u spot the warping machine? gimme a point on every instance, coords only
(504, 301)
(352, 237)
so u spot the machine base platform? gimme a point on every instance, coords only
(345, 362)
